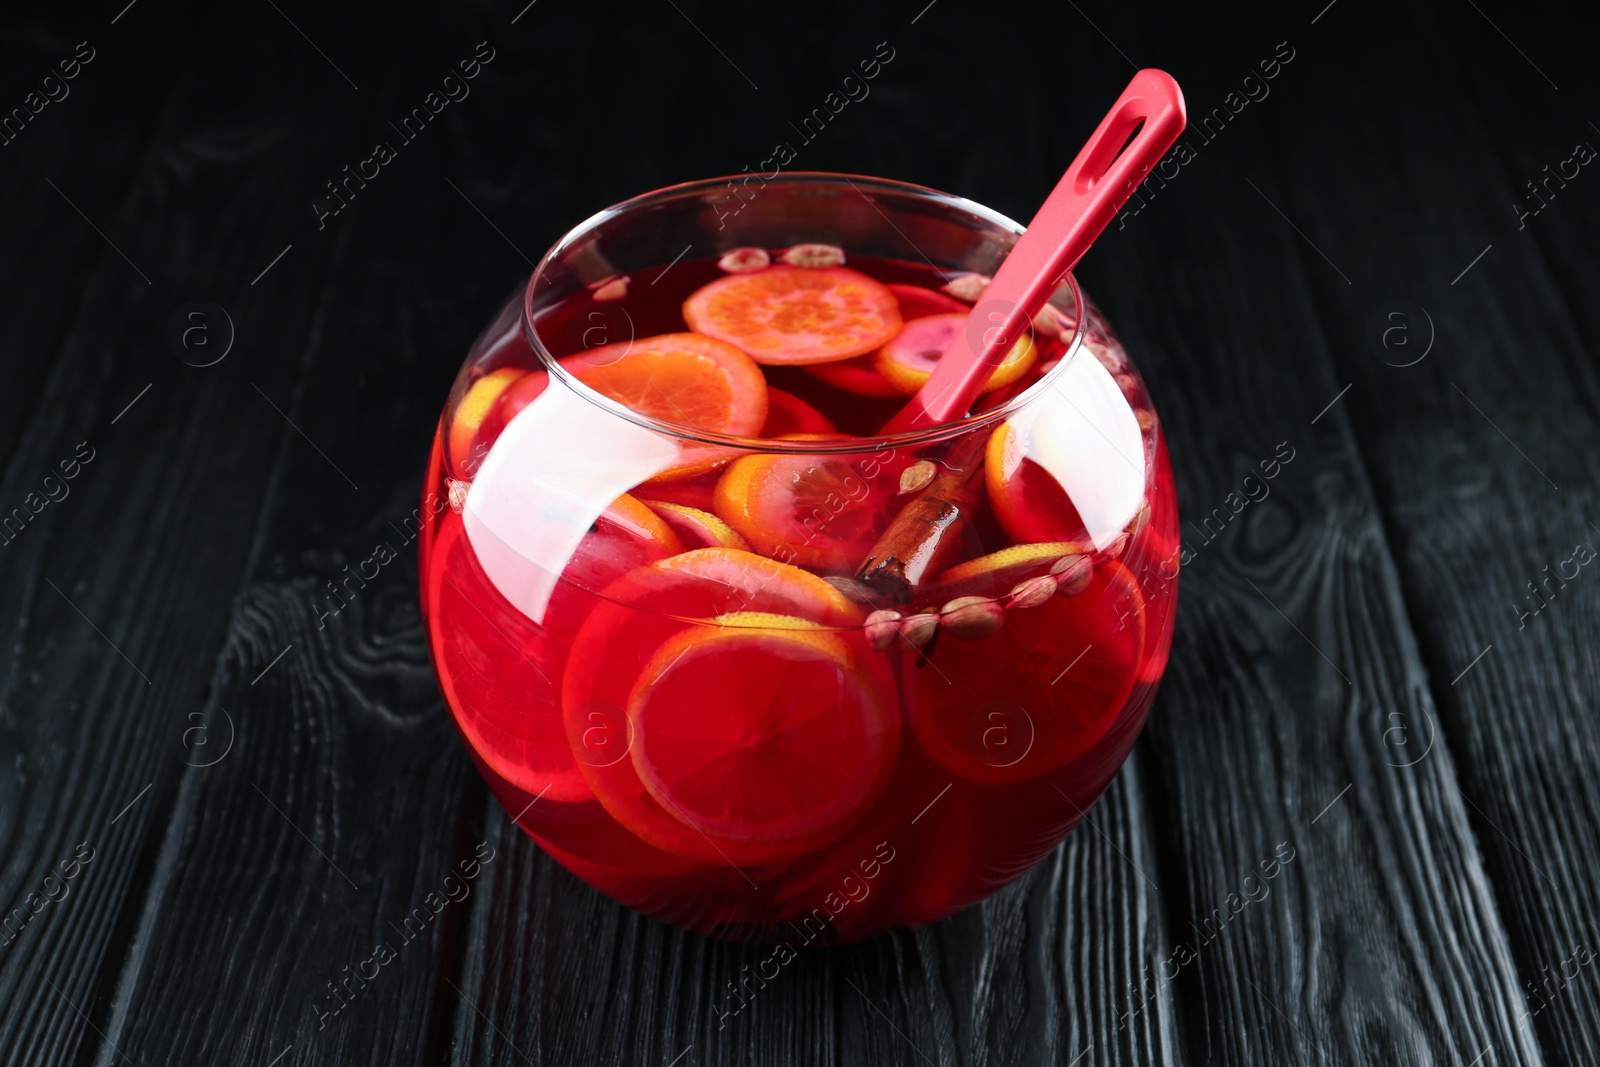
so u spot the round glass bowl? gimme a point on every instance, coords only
(727, 653)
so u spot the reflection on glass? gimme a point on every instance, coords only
(556, 467)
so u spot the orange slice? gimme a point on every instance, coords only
(634, 616)
(626, 535)
(697, 528)
(796, 315)
(681, 378)
(1030, 504)
(859, 375)
(819, 511)
(512, 399)
(761, 734)
(787, 414)
(997, 573)
(1040, 692)
(469, 415)
(908, 360)
(694, 462)
(501, 671)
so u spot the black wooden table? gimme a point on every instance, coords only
(219, 386)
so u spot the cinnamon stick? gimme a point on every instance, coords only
(929, 529)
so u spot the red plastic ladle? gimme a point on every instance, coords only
(1144, 122)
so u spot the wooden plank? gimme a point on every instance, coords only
(1483, 454)
(1294, 652)
(349, 803)
(77, 153)
(552, 970)
(116, 599)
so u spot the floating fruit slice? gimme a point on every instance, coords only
(908, 360)
(1002, 396)
(694, 462)
(697, 528)
(648, 604)
(1029, 502)
(627, 535)
(634, 616)
(820, 511)
(516, 396)
(766, 620)
(1040, 692)
(918, 303)
(500, 670)
(681, 378)
(469, 415)
(761, 734)
(1072, 465)
(787, 414)
(860, 375)
(796, 315)
(857, 375)
(997, 573)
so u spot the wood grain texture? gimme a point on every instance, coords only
(553, 971)
(1294, 653)
(1354, 955)
(76, 154)
(306, 857)
(1318, 637)
(150, 544)
(1484, 458)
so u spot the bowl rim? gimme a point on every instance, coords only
(859, 183)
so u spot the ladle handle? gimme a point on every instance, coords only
(1144, 122)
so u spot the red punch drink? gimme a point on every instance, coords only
(727, 653)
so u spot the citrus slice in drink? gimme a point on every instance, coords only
(908, 360)
(501, 670)
(682, 378)
(648, 604)
(1039, 693)
(696, 528)
(823, 511)
(512, 399)
(796, 315)
(1027, 499)
(860, 374)
(997, 573)
(761, 730)
(787, 414)
(626, 536)
(634, 616)
(469, 414)
(918, 303)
